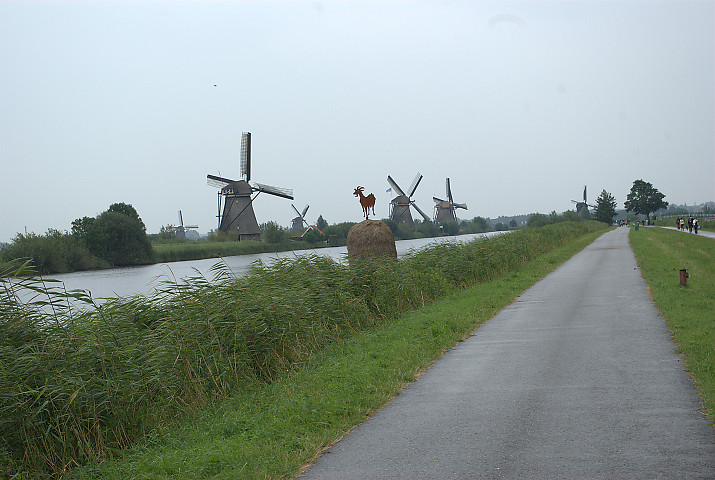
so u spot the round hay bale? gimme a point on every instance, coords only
(371, 238)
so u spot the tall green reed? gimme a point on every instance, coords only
(81, 380)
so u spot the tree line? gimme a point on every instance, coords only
(114, 238)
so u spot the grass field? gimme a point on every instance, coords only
(270, 430)
(689, 311)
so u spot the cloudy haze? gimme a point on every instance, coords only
(521, 104)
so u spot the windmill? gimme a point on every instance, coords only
(445, 209)
(300, 220)
(400, 205)
(180, 231)
(581, 205)
(237, 197)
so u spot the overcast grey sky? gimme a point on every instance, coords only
(521, 104)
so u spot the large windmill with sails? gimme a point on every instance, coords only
(400, 205)
(235, 197)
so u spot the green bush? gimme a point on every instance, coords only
(273, 233)
(54, 252)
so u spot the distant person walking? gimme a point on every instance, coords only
(690, 224)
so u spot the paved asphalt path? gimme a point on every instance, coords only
(703, 233)
(577, 379)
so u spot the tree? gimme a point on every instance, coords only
(321, 223)
(427, 229)
(450, 228)
(273, 233)
(313, 236)
(605, 208)
(124, 239)
(394, 227)
(128, 210)
(644, 199)
(572, 216)
(537, 220)
(117, 235)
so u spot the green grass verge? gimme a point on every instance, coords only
(273, 430)
(688, 311)
(181, 251)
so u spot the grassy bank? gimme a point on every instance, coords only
(689, 311)
(175, 252)
(78, 387)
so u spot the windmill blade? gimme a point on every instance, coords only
(296, 210)
(181, 219)
(219, 182)
(437, 200)
(394, 185)
(424, 215)
(449, 192)
(460, 205)
(277, 191)
(305, 210)
(413, 185)
(584, 194)
(246, 156)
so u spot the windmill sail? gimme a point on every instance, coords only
(277, 191)
(394, 185)
(415, 182)
(246, 156)
(424, 215)
(219, 182)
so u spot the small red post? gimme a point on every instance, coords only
(684, 277)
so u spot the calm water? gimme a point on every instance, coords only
(123, 282)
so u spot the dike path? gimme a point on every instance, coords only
(577, 379)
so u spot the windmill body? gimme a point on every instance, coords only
(446, 210)
(400, 205)
(235, 197)
(180, 231)
(581, 205)
(238, 215)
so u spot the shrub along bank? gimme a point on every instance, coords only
(78, 386)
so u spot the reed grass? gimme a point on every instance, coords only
(78, 385)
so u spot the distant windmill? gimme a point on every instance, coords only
(581, 205)
(400, 205)
(180, 231)
(299, 222)
(445, 209)
(237, 214)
